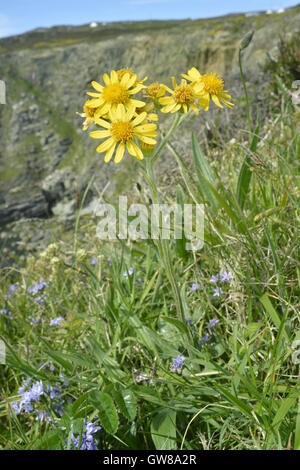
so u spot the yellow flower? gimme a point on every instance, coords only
(122, 72)
(88, 114)
(213, 87)
(146, 109)
(121, 132)
(117, 91)
(183, 97)
(154, 90)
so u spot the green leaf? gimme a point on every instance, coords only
(163, 430)
(245, 171)
(177, 323)
(204, 173)
(297, 430)
(126, 401)
(107, 412)
(180, 243)
(273, 314)
(284, 408)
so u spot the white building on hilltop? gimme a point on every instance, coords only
(93, 24)
(280, 10)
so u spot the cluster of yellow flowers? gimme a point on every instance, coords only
(126, 120)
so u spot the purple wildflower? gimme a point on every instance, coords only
(37, 390)
(87, 437)
(40, 299)
(225, 276)
(204, 340)
(11, 290)
(178, 363)
(6, 313)
(212, 323)
(56, 321)
(37, 287)
(195, 286)
(217, 292)
(214, 279)
(130, 272)
(94, 260)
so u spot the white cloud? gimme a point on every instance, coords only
(5, 26)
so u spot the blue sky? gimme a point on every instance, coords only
(18, 16)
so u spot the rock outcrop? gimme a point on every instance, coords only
(46, 160)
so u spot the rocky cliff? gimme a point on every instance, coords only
(46, 161)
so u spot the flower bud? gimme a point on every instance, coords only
(246, 39)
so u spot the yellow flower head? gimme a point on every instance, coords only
(122, 72)
(115, 92)
(182, 98)
(121, 132)
(213, 87)
(154, 90)
(146, 109)
(88, 114)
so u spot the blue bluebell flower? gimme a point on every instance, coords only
(214, 279)
(130, 273)
(11, 290)
(6, 313)
(37, 287)
(87, 437)
(56, 321)
(178, 363)
(204, 340)
(225, 276)
(195, 286)
(94, 260)
(217, 292)
(212, 323)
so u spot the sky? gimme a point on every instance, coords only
(19, 16)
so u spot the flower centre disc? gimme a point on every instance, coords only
(122, 131)
(89, 112)
(115, 94)
(184, 94)
(213, 84)
(153, 89)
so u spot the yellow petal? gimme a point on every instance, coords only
(166, 100)
(95, 95)
(94, 103)
(134, 150)
(146, 139)
(137, 103)
(119, 153)
(106, 79)
(100, 134)
(216, 101)
(105, 145)
(114, 76)
(131, 81)
(144, 128)
(140, 118)
(110, 153)
(102, 123)
(97, 86)
(136, 89)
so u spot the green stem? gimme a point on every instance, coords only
(162, 244)
(178, 120)
(246, 94)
